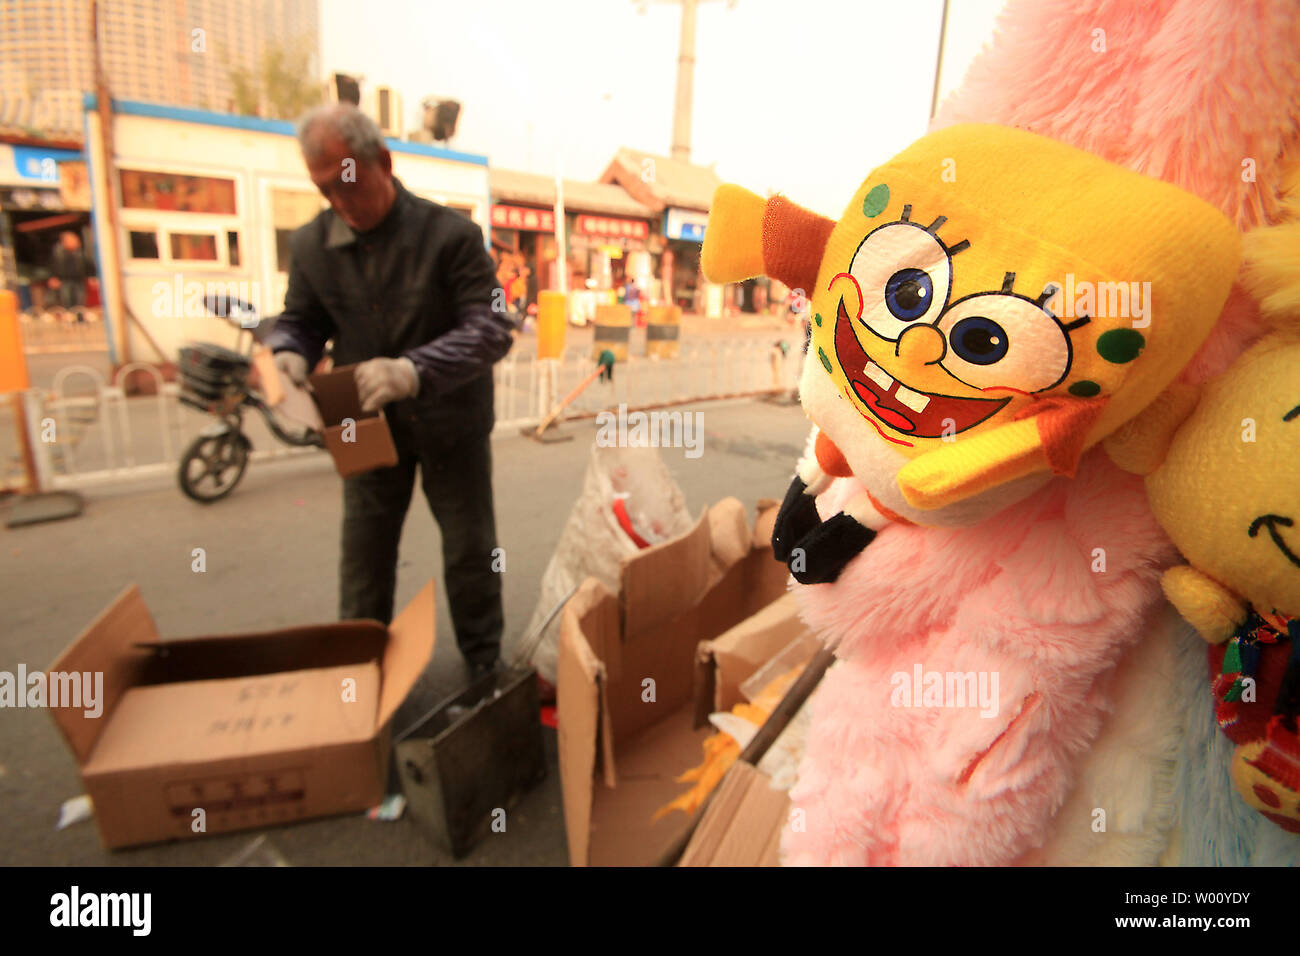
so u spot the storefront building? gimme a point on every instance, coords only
(44, 192)
(523, 241)
(209, 200)
(679, 193)
(609, 237)
(684, 230)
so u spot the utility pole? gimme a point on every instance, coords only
(685, 100)
(938, 63)
(685, 84)
(110, 259)
(561, 254)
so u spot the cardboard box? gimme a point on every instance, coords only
(365, 443)
(252, 729)
(771, 637)
(742, 823)
(626, 668)
(478, 751)
(290, 401)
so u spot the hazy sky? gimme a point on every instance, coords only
(805, 96)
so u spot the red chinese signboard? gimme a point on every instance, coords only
(519, 217)
(608, 226)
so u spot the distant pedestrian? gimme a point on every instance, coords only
(519, 290)
(632, 297)
(70, 267)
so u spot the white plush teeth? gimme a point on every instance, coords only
(878, 375)
(913, 400)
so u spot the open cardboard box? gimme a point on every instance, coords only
(627, 723)
(365, 443)
(328, 407)
(742, 823)
(252, 729)
(774, 635)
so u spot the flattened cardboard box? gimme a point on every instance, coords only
(357, 441)
(626, 668)
(250, 729)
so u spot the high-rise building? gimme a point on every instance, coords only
(178, 52)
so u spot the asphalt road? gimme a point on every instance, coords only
(272, 551)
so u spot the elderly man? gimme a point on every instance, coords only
(406, 290)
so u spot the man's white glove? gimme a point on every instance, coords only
(384, 380)
(292, 366)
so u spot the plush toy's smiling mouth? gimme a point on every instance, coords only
(919, 414)
(1271, 522)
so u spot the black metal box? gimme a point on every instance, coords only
(477, 752)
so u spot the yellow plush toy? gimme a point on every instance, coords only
(991, 304)
(1223, 478)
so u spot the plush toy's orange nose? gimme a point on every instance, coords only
(921, 345)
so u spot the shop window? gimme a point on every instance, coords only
(177, 192)
(232, 248)
(193, 246)
(291, 208)
(144, 245)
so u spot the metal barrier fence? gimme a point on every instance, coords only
(87, 431)
(41, 337)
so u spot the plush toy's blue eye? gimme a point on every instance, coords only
(978, 340)
(1002, 340)
(908, 293)
(904, 277)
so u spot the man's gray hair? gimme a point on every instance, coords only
(361, 134)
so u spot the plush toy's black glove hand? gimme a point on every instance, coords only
(796, 517)
(828, 548)
(816, 551)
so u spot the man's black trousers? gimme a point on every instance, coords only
(456, 474)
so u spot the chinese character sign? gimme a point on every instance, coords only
(607, 226)
(519, 217)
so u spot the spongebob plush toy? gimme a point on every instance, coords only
(991, 304)
(1223, 478)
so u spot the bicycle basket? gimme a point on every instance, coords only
(213, 375)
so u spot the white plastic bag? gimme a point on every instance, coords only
(594, 544)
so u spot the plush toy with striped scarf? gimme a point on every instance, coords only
(1223, 478)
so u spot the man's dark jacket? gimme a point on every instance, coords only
(71, 265)
(420, 285)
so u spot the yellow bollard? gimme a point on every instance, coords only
(551, 323)
(13, 363)
(663, 332)
(14, 380)
(613, 330)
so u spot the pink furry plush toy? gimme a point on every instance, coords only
(972, 673)
(976, 663)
